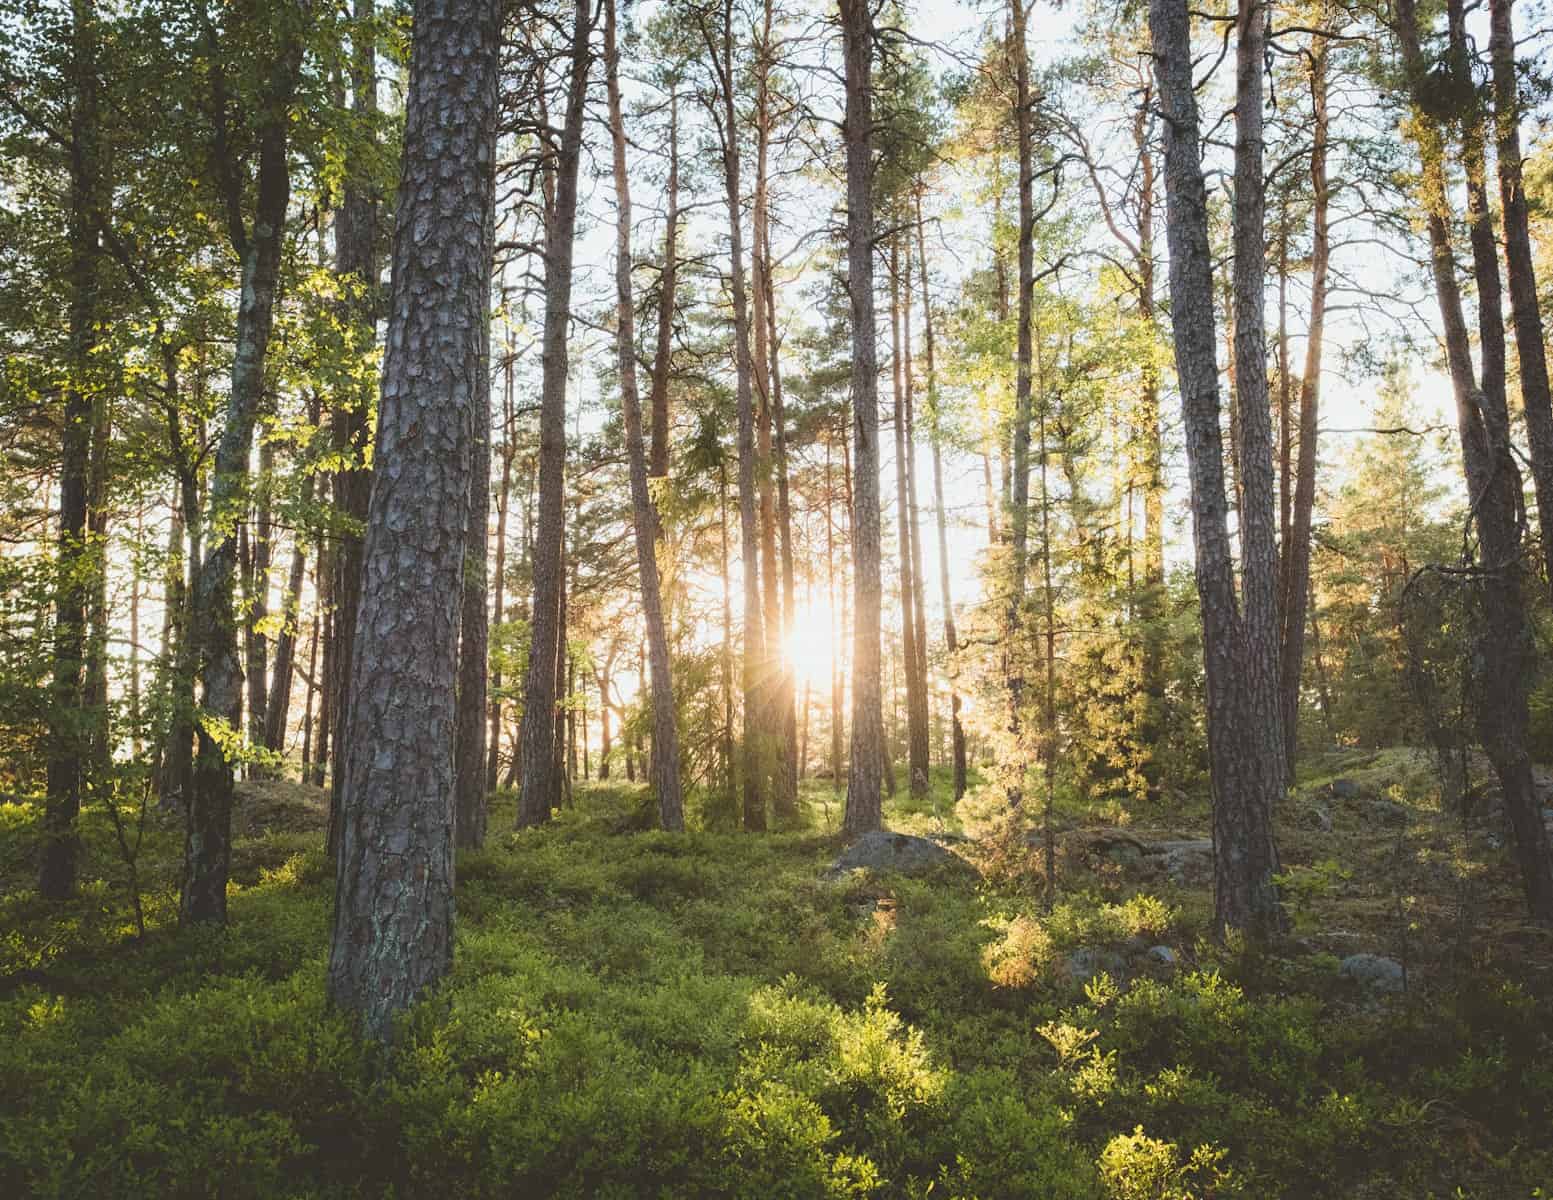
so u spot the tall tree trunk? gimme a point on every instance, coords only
(951, 637)
(1019, 491)
(758, 748)
(916, 703)
(469, 765)
(77, 563)
(668, 283)
(499, 574)
(213, 619)
(867, 756)
(786, 798)
(1493, 483)
(917, 662)
(277, 708)
(356, 265)
(1530, 348)
(393, 916)
(665, 736)
(1245, 782)
(542, 782)
(256, 585)
(1296, 554)
(837, 722)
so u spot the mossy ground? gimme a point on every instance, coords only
(635, 1014)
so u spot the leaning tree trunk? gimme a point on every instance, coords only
(541, 781)
(1244, 781)
(393, 916)
(867, 753)
(665, 736)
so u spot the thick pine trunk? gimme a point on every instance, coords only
(867, 756)
(393, 917)
(665, 736)
(542, 782)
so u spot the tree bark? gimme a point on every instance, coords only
(542, 783)
(668, 284)
(916, 703)
(1295, 582)
(393, 917)
(76, 568)
(758, 748)
(1493, 483)
(1530, 347)
(213, 620)
(951, 637)
(1245, 780)
(867, 756)
(356, 265)
(665, 736)
(474, 639)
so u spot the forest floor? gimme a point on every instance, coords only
(638, 1014)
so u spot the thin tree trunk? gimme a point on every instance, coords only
(916, 664)
(542, 782)
(916, 705)
(499, 575)
(1296, 555)
(356, 265)
(470, 720)
(668, 283)
(951, 638)
(213, 619)
(863, 796)
(665, 736)
(393, 917)
(757, 765)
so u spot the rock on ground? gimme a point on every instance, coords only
(1373, 972)
(886, 851)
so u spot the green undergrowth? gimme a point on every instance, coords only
(634, 1014)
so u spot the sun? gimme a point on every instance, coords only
(810, 646)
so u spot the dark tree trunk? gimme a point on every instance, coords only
(867, 756)
(542, 783)
(758, 750)
(1018, 488)
(76, 568)
(916, 702)
(665, 736)
(213, 620)
(469, 764)
(356, 264)
(1531, 350)
(668, 283)
(1295, 562)
(1245, 779)
(499, 574)
(951, 637)
(393, 917)
(256, 587)
(1493, 484)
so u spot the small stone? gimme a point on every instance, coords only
(1386, 812)
(1345, 789)
(1317, 816)
(1085, 964)
(1163, 955)
(1374, 972)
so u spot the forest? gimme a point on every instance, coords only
(776, 598)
